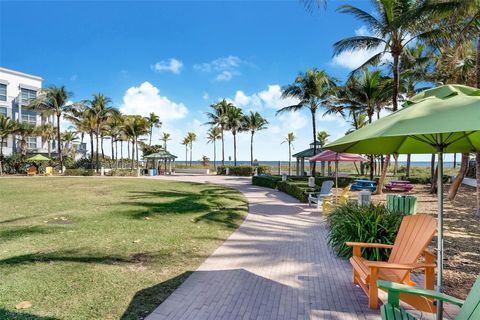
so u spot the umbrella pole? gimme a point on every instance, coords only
(440, 231)
(336, 181)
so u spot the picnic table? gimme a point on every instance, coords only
(401, 185)
(363, 185)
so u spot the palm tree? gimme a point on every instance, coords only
(48, 132)
(218, 117)
(54, 99)
(7, 127)
(313, 89)
(234, 125)
(135, 127)
(289, 139)
(212, 136)
(186, 142)
(165, 138)
(154, 121)
(68, 138)
(322, 138)
(394, 25)
(192, 137)
(25, 130)
(85, 122)
(254, 122)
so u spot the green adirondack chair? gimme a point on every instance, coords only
(470, 308)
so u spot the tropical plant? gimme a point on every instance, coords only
(48, 132)
(218, 117)
(371, 224)
(7, 127)
(24, 130)
(313, 89)
(80, 115)
(289, 139)
(54, 100)
(68, 138)
(322, 138)
(165, 137)
(154, 121)
(213, 135)
(192, 137)
(254, 122)
(235, 124)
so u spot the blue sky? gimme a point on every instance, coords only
(176, 58)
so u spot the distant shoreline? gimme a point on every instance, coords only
(423, 164)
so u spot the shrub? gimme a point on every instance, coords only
(121, 173)
(78, 172)
(242, 170)
(266, 181)
(298, 190)
(15, 164)
(426, 179)
(371, 224)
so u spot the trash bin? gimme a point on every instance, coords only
(152, 172)
(311, 182)
(364, 198)
(284, 177)
(402, 204)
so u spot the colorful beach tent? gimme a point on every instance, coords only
(441, 120)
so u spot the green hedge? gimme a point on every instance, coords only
(121, 173)
(297, 190)
(266, 181)
(242, 170)
(78, 172)
(424, 179)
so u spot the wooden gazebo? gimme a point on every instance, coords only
(162, 156)
(305, 154)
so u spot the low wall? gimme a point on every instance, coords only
(192, 171)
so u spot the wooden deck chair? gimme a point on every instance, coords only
(470, 308)
(48, 171)
(31, 171)
(328, 203)
(414, 235)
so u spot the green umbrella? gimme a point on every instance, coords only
(38, 157)
(441, 120)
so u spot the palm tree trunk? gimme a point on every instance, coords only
(395, 82)
(191, 149)
(113, 151)
(457, 182)
(223, 149)
(215, 154)
(49, 148)
(235, 149)
(133, 154)
(314, 126)
(186, 155)
(97, 136)
(395, 166)
(381, 181)
(251, 150)
(128, 149)
(121, 154)
(138, 164)
(92, 151)
(454, 161)
(59, 144)
(289, 158)
(151, 131)
(1, 156)
(101, 141)
(409, 159)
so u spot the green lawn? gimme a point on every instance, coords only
(105, 248)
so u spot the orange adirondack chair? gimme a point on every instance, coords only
(414, 235)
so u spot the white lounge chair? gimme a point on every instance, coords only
(317, 197)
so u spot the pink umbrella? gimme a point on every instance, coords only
(329, 155)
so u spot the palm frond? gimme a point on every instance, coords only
(356, 43)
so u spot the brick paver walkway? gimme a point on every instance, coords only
(276, 265)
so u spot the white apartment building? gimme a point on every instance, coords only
(16, 88)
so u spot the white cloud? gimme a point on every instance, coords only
(225, 68)
(205, 96)
(146, 98)
(362, 31)
(292, 121)
(269, 98)
(171, 65)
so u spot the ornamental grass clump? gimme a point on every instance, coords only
(370, 224)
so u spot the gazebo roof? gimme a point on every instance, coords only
(162, 154)
(306, 153)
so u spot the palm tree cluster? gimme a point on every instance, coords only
(96, 118)
(225, 116)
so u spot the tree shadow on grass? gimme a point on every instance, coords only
(62, 256)
(23, 231)
(210, 200)
(11, 315)
(146, 300)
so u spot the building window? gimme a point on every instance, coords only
(3, 92)
(31, 143)
(26, 95)
(3, 111)
(29, 117)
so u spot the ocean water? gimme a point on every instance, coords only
(447, 164)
